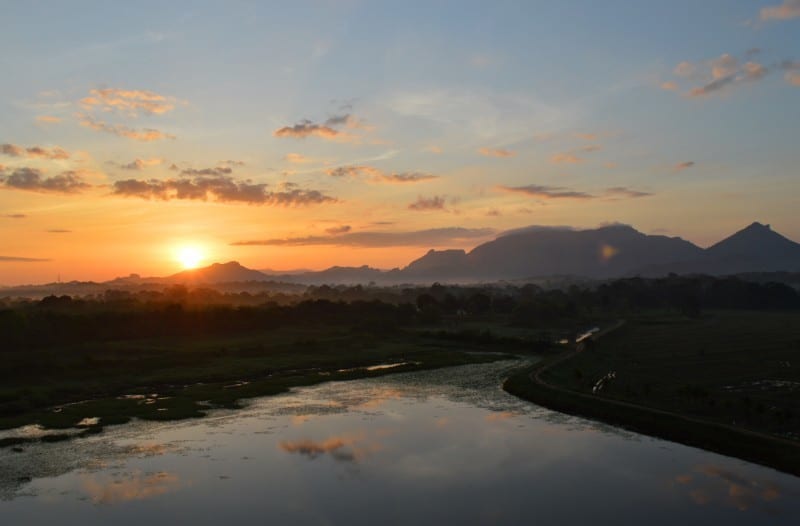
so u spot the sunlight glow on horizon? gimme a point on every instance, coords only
(190, 256)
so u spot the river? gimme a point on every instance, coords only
(434, 447)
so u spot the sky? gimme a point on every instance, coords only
(309, 134)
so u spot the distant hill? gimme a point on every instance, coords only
(756, 253)
(218, 273)
(538, 252)
(535, 252)
(754, 249)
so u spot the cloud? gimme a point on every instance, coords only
(15, 216)
(436, 202)
(336, 230)
(718, 74)
(16, 259)
(434, 149)
(214, 172)
(423, 238)
(572, 157)
(407, 177)
(58, 231)
(231, 162)
(144, 135)
(354, 171)
(327, 130)
(128, 102)
(684, 69)
(683, 166)
(48, 119)
(12, 150)
(130, 487)
(496, 152)
(296, 158)
(344, 448)
(376, 175)
(724, 66)
(31, 179)
(624, 192)
(785, 11)
(566, 158)
(586, 136)
(221, 188)
(141, 164)
(546, 192)
(305, 129)
(792, 75)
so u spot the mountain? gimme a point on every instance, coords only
(605, 252)
(218, 273)
(530, 252)
(756, 248)
(339, 275)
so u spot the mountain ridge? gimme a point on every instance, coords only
(609, 251)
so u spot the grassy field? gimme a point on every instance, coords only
(726, 381)
(161, 379)
(740, 368)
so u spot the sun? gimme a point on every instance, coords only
(189, 256)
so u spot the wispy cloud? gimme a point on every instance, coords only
(546, 192)
(558, 192)
(336, 230)
(48, 119)
(406, 177)
(297, 158)
(221, 188)
(423, 238)
(685, 165)
(572, 156)
(329, 130)
(792, 68)
(141, 164)
(353, 171)
(17, 259)
(436, 202)
(566, 158)
(15, 216)
(717, 75)
(33, 180)
(231, 162)
(128, 102)
(12, 150)
(624, 192)
(214, 172)
(496, 152)
(58, 231)
(144, 135)
(785, 11)
(685, 69)
(376, 175)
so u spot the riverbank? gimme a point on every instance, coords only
(682, 387)
(100, 385)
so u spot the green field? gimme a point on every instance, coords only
(57, 387)
(726, 381)
(740, 368)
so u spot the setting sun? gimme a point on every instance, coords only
(189, 256)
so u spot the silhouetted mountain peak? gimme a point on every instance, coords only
(756, 239)
(229, 272)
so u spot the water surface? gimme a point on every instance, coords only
(434, 447)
